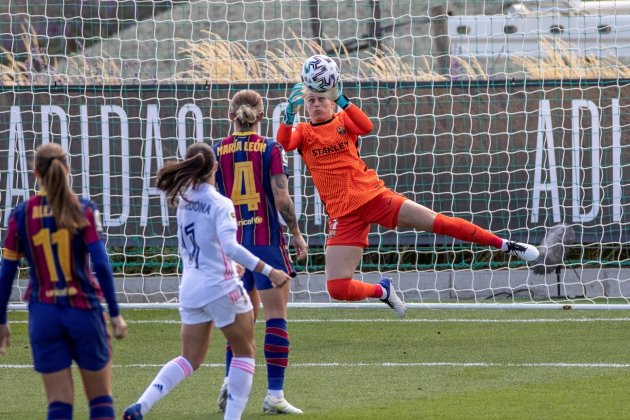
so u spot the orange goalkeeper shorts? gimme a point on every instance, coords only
(352, 229)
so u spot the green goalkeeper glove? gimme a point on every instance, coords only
(336, 96)
(294, 102)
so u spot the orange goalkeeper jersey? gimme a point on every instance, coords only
(329, 149)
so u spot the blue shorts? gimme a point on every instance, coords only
(60, 334)
(275, 256)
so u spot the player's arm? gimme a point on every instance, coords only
(291, 139)
(225, 221)
(356, 121)
(284, 203)
(10, 261)
(7, 275)
(103, 270)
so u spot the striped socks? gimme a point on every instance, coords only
(276, 352)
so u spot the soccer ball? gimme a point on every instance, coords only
(320, 73)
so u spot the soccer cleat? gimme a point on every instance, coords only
(273, 405)
(523, 251)
(392, 300)
(132, 412)
(223, 396)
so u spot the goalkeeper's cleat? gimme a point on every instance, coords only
(523, 251)
(223, 396)
(132, 412)
(391, 299)
(273, 405)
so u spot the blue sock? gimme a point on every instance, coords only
(276, 352)
(102, 408)
(59, 411)
(228, 358)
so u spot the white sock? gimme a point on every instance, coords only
(240, 381)
(167, 378)
(276, 393)
(384, 295)
(504, 247)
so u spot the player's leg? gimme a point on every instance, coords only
(196, 333)
(90, 345)
(237, 324)
(341, 262)
(52, 357)
(417, 216)
(347, 237)
(60, 394)
(248, 283)
(98, 391)
(277, 347)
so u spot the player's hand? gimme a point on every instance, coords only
(336, 96)
(279, 278)
(240, 270)
(294, 102)
(301, 247)
(119, 327)
(5, 338)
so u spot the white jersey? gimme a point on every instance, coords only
(206, 232)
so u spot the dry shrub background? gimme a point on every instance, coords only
(217, 61)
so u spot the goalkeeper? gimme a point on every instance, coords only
(355, 197)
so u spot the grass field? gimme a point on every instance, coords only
(364, 364)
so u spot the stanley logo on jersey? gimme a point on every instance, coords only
(343, 145)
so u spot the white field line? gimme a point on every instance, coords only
(409, 320)
(388, 364)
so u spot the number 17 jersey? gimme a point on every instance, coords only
(247, 162)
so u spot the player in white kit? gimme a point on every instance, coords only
(211, 292)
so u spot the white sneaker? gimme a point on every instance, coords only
(523, 251)
(392, 300)
(273, 405)
(223, 395)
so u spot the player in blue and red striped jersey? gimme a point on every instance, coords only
(58, 234)
(253, 173)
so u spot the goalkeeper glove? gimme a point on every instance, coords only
(336, 96)
(294, 102)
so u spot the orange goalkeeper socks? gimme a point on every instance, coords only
(464, 230)
(351, 290)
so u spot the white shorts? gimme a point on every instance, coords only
(221, 311)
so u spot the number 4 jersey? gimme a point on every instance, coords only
(247, 162)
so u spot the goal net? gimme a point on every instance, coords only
(513, 115)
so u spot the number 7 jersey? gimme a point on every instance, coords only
(247, 162)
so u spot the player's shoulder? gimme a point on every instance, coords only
(87, 203)
(221, 200)
(19, 210)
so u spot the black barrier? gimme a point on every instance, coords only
(510, 157)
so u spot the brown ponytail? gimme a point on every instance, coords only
(175, 177)
(52, 168)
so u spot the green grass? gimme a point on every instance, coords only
(364, 364)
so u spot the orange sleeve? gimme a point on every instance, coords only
(357, 122)
(289, 139)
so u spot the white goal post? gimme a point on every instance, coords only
(515, 118)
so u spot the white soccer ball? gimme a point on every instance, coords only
(320, 73)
